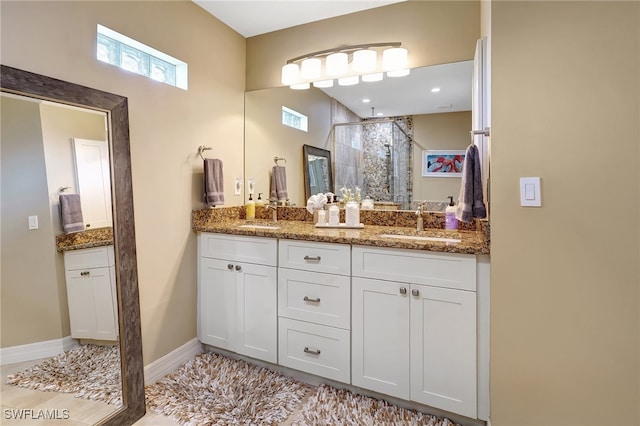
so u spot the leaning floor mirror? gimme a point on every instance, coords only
(17, 163)
(318, 177)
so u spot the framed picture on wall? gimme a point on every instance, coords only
(442, 163)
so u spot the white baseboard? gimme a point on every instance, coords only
(38, 350)
(171, 361)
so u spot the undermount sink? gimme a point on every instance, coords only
(421, 238)
(259, 226)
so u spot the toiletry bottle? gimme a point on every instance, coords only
(450, 219)
(334, 215)
(259, 201)
(251, 209)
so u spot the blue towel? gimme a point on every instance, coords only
(71, 213)
(471, 200)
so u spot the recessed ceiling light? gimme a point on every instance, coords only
(435, 90)
(366, 100)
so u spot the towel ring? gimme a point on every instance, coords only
(276, 159)
(202, 148)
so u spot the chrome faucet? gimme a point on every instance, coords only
(420, 221)
(273, 205)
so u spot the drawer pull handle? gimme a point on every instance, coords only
(415, 292)
(85, 273)
(403, 290)
(309, 351)
(238, 268)
(230, 266)
(312, 258)
(308, 299)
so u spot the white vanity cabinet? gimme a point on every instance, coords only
(237, 294)
(314, 308)
(414, 326)
(91, 293)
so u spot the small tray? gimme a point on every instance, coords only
(340, 226)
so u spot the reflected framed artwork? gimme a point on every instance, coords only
(442, 163)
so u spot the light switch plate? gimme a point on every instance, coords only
(33, 222)
(530, 192)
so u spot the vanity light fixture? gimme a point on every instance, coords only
(348, 64)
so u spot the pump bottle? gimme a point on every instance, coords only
(251, 208)
(450, 219)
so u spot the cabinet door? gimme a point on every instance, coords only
(257, 311)
(91, 301)
(443, 349)
(217, 303)
(380, 336)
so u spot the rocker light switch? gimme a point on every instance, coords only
(33, 222)
(530, 192)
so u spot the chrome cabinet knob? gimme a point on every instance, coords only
(238, 268)
(229, 266)
(415, 292)
(312, 258)
(311, 299)
(403, 290)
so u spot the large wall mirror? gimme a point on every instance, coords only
(106, 114)
(370, 147)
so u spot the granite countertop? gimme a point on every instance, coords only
(85, 239)
(471, 241)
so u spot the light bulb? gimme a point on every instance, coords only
(364, 61)
(394, 58)
(311, 68)
(337, 63)
(372, 77)
(348, 81)
(290, 74)
(323, 83)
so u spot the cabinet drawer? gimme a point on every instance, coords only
(238, 248)
(315, 297)
(316, 257)
(98, 257)
(316, 349)
(449, 270)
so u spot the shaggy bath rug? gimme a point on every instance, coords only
(86, 371)
(330, 406)
(216, 390)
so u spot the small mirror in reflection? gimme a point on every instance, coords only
(318, 177)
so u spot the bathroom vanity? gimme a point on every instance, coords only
(89, 264)
(382, 308)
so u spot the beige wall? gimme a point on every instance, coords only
(438, 131)
(434, 32)
(166, 127)
(33, 308)
(266, 136)
(564, 277)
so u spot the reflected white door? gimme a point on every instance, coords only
(94, 182)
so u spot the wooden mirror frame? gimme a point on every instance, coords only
(16, 81)
(318, 152)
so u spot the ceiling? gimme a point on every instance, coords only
(255, 17)
(390, 97)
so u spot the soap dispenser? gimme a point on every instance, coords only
(251, 208)
(450, 219)
(259, 201)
